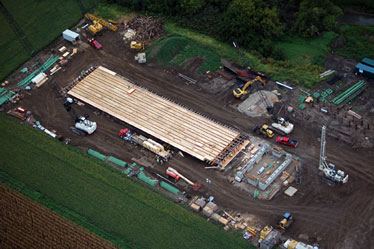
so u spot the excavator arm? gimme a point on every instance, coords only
(239, 92)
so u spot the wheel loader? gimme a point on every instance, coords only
(264, 130)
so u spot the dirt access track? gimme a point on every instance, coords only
(338, 217)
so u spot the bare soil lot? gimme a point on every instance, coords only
(339, 217)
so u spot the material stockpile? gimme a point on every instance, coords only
(51, 60)
(147, 28)
(5, 95)
(350, 93)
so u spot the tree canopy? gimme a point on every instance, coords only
(254, 23)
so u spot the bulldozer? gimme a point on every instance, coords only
(264, 130)
(136, 45)
(286, 221)
(240, 92)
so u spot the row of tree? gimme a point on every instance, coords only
(254, 23)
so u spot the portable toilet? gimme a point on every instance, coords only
(70, 36)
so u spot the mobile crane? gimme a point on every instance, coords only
(328, 169)
(176, 175)
(240, 92)
(98, 24)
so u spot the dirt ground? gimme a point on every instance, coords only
(338, 217)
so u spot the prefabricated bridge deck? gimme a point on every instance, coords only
(184, 129)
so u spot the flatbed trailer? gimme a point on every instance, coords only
(145, 142)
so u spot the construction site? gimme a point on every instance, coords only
(253, 156)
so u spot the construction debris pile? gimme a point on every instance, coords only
(147, 28)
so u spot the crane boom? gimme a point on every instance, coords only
(180, 175)
(106, 24)
(322, 158)
(329, 169)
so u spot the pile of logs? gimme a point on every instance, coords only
(147, 28)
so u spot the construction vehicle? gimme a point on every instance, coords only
(251, 230)
(264, 130)
(95, 28)
(328, 169)
(286, 221)
(147, 143)
(265, 231)
(141, 58)
(293, 244)
(240, 92)
(82, 124)
(287, 141)
(136, 45)
(98, 24)
(282, 126)
(112, 21)
(176, 175)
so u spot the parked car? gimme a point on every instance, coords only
(95, 43)
(287, 141)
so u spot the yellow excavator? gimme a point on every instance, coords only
(240, 92)
(98, 24)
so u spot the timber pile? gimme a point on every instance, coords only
(147, 28)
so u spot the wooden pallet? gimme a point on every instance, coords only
(186, 130)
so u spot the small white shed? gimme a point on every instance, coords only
(70, 36)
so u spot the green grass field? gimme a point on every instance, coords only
(175, 50)
(133, 215)
(359, 42)
(302, 51)
(302, 74)
(42, 21)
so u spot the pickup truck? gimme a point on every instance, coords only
(287, 141)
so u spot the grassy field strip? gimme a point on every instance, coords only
(304, 74)
(109, 200)
(42, 21)
(359, 42)
(175, 50)
(301, 51)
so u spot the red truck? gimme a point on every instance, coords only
(95, 44)
(287, 141)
